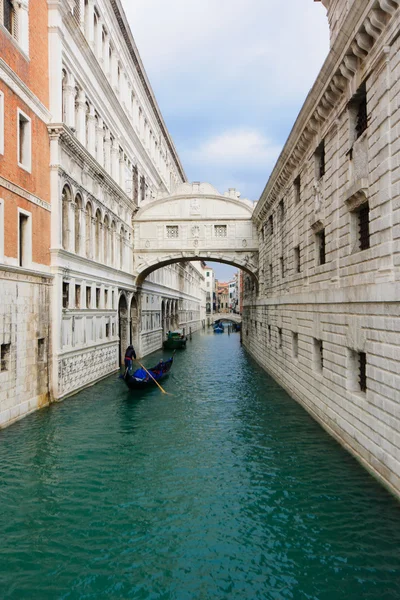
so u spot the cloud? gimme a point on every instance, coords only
(230, 78)
(236, 148)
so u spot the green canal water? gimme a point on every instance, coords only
(225, 490)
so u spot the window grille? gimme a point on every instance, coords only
(5, 357)
(362, 378)
(220, 231)
(320, 160)
(282, 210)
(65, 298)
(360, 104)
(297, 262)
(172, 231)
(318, 355)
(297, 189)
(271, 224)
(295, 345)
(321, 247)
(282, 266)
(280, 338)
(363, 227)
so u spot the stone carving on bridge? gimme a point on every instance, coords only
(211, 227)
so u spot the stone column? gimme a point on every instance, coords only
(99, 41)
(82, 230)
(106, 56)
(81, 117)
(115, 160)
(101, 243)
(71, 220)
(107, 151)
(91, 141)
(92, 238)
(122, 182)
(100, 142)
(69, 99)
(89, 23)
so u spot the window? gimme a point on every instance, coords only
(270, 272)
(41, 348)
(297, 263)
(271, 224)
(208, 273)
(297, 189)
(107, 330)
(88, 297)
(282, 263)
(97, 297)
(280, 338)
(8, 17)
(5, 357)
(295, 344)
(282, 210)
(24, 141)
(359, 112)
(112, 299)
(1, 123)
(362, 371)
(320, 160)
(362, 227)
(24, 240)
(357, 371)
(105, 298)
(172, 231)
(320, 247)
(318, 355)
(220, 230)
(77, 296)
(65, 296)
(269, 334)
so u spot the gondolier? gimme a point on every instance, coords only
(129, 355)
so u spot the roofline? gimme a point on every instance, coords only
(134, 52)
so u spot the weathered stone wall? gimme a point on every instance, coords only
(24, 339)
(314, 321)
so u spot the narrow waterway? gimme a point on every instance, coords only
(226, 489)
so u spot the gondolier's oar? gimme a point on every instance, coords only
(150, 375)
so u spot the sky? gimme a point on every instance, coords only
(230, 77)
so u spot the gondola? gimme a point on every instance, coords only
(176, 340)
(140, 379)
(219, 328)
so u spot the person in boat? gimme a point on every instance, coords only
(129, 355)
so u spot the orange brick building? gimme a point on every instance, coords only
(24, 208)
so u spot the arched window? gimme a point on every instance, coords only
(89, 213)
(87, 113)
(78, 235)
(98, 234)
(96, 33)
(106, 242)
(121, 248)
(66, 203)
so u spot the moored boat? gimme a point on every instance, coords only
(176, 340)
(143, 378)
(219, 328)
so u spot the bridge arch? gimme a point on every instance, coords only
(195, 223)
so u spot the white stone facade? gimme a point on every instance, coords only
(110, 153)
(326, 319)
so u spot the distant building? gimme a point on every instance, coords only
(210, 289)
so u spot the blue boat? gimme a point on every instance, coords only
(142, 378)
(219, 328)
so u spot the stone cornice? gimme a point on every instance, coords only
(69, 140)
(108, 91)
(363, 26)
(133, 51)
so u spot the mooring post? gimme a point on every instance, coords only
(190, 333)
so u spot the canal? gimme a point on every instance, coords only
(226, 489)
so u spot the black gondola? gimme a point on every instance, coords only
(142, 378)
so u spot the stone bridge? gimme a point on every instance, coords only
(227, 317)
(196, 223)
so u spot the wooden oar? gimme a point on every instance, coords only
(150, 375)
